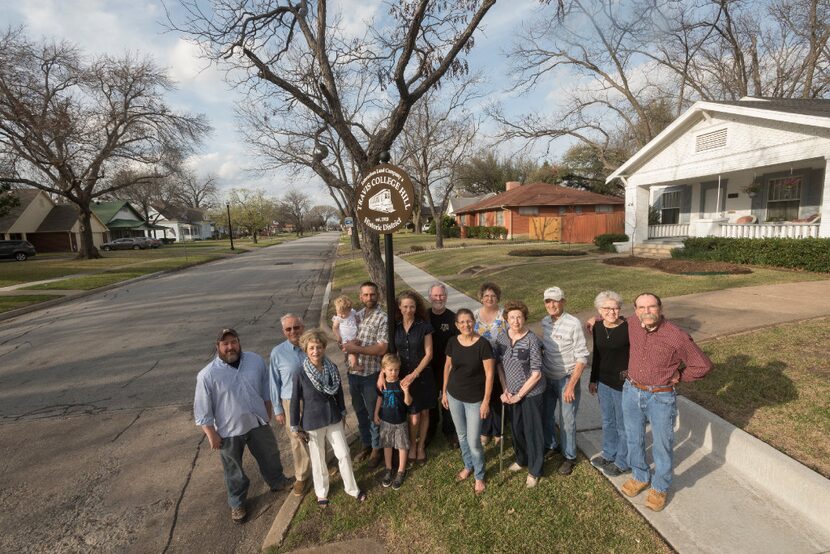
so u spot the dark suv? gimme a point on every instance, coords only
(17, 249)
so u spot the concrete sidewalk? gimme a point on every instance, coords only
(731, 492)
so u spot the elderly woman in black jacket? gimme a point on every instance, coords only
(318, 407)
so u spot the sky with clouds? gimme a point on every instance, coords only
(120, 26)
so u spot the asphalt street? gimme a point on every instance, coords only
(99, 449)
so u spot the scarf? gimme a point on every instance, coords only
(327, 381)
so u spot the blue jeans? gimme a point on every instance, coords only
(262, 444)
(567, 416)
(614, 441)
(660, 410)
(467, 419)
(364, 393)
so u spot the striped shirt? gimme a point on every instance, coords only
(655, 356)
(372, 330)
(520, 360)
(564, 345)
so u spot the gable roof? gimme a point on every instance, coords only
(26, 197)
(106, 211)
(541, 194)
(813, 112)
(181, 213)
(62, 218)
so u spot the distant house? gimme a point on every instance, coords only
(122, 219)
(462, 201)
(182, 224)
(48, 226)
(546, 212)
(752, 168)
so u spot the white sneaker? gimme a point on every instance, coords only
(515, 467)
(531, 481)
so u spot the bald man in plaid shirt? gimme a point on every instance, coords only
(661, 355)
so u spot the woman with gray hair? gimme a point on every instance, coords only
(608, 371)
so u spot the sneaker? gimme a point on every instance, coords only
(497, 440)
(387, 478)
(485, 440)
(299, 488)
(398, 481)
(614, 471)
(550, 453)
(632, 487)
(601, 462)
(238, 514)
(656, 500)
(375, 458)
(567, 467)
(514, 467)
(531, 481)
(363, 454)
(282, 485)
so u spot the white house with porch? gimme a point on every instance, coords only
(753, 168)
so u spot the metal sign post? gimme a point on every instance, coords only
(384, 204)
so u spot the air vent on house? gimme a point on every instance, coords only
(710, 141)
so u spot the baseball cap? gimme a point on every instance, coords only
(554, 293)
(226, 331)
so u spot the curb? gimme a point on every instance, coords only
(69, 297)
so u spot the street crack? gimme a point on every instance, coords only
(125, 385)
(181, 495)
(124, 430)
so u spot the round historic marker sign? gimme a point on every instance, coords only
(384, 199)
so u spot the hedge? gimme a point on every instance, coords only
(483, 232)
(605, 242)
(538, 252)
(448, 227)
(809, 254)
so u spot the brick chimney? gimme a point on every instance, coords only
(510, 185)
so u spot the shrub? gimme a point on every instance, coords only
(808, 254)
(448, 227)
(416, 248)
(605, 242)
(485, 232)
(533, 252)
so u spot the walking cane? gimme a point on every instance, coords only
(501, 442)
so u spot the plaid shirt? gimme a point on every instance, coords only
(372, 330)
(655, 356)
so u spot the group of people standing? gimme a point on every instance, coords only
(469, 370)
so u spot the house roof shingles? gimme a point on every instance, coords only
(541, 194)
(61, 218)
(179, 213)
(26, 196)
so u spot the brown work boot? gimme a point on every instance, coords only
(632, 487)
(363, 454)
(299, 488)
(375, 458)
(238, 514)
(656, 500)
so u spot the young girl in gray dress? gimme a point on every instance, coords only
(391, 416)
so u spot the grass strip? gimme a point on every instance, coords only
(774, 384)
(8, 303)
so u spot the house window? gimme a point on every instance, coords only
(529, 210)
(710, 141)
(670, 213)
(784, 198)
(578, 209)
(481, 220)
(500, 218)
(603, 208)
(562, 210)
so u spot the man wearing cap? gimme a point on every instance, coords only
(661, 355)
(287, 362)
(233, 407)
(564, 357)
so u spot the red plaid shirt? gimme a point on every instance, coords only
(655, 356)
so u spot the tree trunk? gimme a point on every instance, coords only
(355, 234)
(370, 242)
(439, 234)
(87, 250)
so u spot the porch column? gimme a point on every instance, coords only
(824, 226)
(636, 213)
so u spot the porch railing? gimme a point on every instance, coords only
(769, 230)
(665, 231)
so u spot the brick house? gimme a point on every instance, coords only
(546, 212)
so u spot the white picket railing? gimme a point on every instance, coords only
(768, 230)
(665, 231)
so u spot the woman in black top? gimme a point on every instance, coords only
(318, 408)
(608, 368)
(413, 341)
(468, 382)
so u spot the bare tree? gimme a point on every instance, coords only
(319, 216)
(294, 206)
(194, 192)
(437, 138)
(8, 199)
(298, 52)
(65, 123)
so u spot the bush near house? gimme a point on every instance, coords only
(485, 232)
(605, 242)
(810, 254)
(448, 227)
(536, 252)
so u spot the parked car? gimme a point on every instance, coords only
(17, 249)
(153, 242)
(127, 243)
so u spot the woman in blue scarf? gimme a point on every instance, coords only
(318, 390)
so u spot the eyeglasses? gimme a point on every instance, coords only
(294, 328)
(604, 309)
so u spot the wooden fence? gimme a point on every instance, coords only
(584, 227)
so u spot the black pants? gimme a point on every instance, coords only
(528, 437)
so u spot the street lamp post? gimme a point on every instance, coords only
(230, 229)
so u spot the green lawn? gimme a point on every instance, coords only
(8, 303)
(775, 384)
